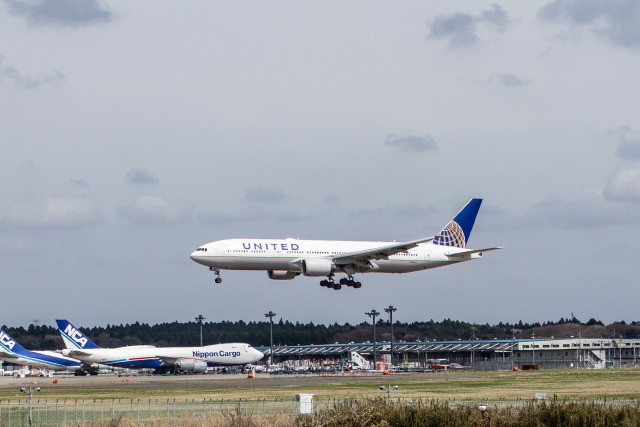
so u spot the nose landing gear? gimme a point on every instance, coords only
(216, 271)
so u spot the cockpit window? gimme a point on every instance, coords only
(201, 250)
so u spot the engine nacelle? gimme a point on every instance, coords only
(281, 274)
(317, 267)
(194, 366)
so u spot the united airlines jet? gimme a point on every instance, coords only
(285, 259)
(162, 359)
(11, 351)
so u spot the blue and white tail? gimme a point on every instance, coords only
(457, 232)
(10, 345)
(72, 337)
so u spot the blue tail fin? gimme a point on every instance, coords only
(457, 232)
(9, 344)
(72, 337)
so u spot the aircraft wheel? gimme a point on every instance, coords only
(218, 280)
(324, 283)
(344, 281)
(357, 285)
(337, 286)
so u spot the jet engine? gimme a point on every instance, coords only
(191, 366)
(317, 267)
(281, 274)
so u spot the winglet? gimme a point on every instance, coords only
(9, 344)
(72, 337)
(457, 232)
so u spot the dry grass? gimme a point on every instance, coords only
(574, 384)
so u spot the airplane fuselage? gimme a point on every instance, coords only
(284, 259)
(287, 254)
(139, 357)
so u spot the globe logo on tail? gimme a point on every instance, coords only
(451, 235)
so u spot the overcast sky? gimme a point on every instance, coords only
(133, 132)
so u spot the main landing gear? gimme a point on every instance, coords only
(217, 273)
(331, 284)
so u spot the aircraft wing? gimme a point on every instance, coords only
(78, 353)
(382, 252)
(168, 359)
(6, 356)
(472, 251)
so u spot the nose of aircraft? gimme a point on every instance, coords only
(197, 257)
(257, 354)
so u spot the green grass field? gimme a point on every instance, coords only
(573, 384)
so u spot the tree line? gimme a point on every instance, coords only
(40, 337)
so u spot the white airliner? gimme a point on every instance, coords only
(11, 351)
(288, 258)
(174, 359)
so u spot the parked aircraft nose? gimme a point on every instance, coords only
(257, 354)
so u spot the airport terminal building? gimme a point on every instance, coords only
(523, 354)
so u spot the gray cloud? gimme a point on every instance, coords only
(406, 211)
(332, 198)
(629, 148)
(151, 210)
(253, 215)
(590, 210)
(497, 17)
(624, 186)
(80, 183)
(140, 176)
(21, 80)
(65, 13)
(411, 143)
(460, 29)
(264, 195)
(509, 79)
(55, 213)
(615, 21)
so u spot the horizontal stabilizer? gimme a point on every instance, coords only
(473, 251)
(6, 355)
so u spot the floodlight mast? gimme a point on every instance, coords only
(30, 393)
(373, 313)
(270, 315)
(390, 310)
(388, 390)
(200, 319)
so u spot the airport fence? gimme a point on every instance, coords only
(45, 412)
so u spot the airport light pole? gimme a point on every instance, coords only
(390, 310)
(30, 393)
(373, 313)
(473, 345)
(533, 348)
(513, 345)
(200, 319)
(426, 351)
(388, 390)
(270, 315)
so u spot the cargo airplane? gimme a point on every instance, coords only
(162, 359)
(12, 352)
(285, 259)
